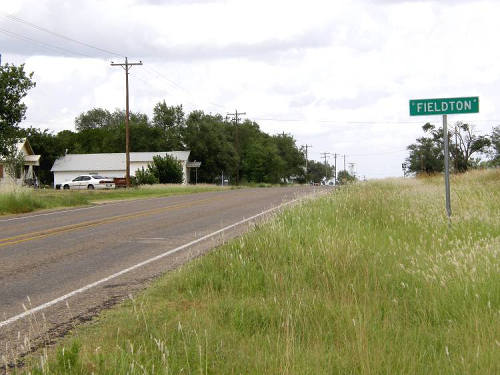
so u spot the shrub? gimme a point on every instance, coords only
(166, 169)
(145, 177)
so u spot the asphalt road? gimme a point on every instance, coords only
(44, 256)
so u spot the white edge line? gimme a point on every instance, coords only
(150, 260)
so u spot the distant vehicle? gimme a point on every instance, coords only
(89, 182)
(326, 182)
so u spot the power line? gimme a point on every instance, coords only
(52, 47)
(171, 84)
(88, 45)
(159, 74)
(42, 44)
(357, 122)
(40, 28)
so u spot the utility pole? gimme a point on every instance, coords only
(456, 150)
(351, 168)
(344, 163)
(235, 116)
(335, 168)
(306, 147)
(126, 66)
(325, 155)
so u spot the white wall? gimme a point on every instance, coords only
(60, 177)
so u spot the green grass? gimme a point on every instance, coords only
(367, 280)
(21, 200)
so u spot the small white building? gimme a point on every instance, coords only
(27, 173)
(110, 165)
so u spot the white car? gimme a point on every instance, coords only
(89, 182)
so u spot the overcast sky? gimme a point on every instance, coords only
(337, 75)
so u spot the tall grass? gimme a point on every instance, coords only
(15, 199)
(368, 280)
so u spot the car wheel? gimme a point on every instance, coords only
(66, 187)
(90, 187)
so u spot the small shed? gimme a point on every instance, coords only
(70, 166)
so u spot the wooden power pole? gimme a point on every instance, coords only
(306, 147)
(126, 66)
(335, 168)
(235, 116)
(325, 155)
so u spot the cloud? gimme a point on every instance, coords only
(362, 99)
(335, 61)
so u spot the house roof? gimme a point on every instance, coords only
(109, 162)
(24, 147)
(24, 142)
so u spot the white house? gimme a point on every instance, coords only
(27, 173)
(110, 165)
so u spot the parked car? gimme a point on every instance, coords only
(89, 182)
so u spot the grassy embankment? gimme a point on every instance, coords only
(368, 280)
(21, 200)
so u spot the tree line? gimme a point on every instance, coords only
(467, 149)
(242, 152)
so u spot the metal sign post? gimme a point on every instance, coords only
(445, 106)
(194, 164)
(446, 165)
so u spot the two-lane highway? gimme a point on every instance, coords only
(70, 263)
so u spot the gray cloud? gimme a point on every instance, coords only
(24, 40)
(302, 100)
(169, 2)
(364, 98)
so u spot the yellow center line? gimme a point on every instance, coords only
(86, 224)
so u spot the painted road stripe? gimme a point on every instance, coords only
(86, 224)
(49, 213)
(96, 204)
(138, 265)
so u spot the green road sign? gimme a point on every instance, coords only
(427, 107)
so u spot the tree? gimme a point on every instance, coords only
(344, 177)
(99, 130)
(427, 155)
(171, 121)
(14, 162)
(495, 143)
(210, 142)
(292, 156)
(465, 145)
(166, 169)
(316, 170)
(95, 118)
(14, 86)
